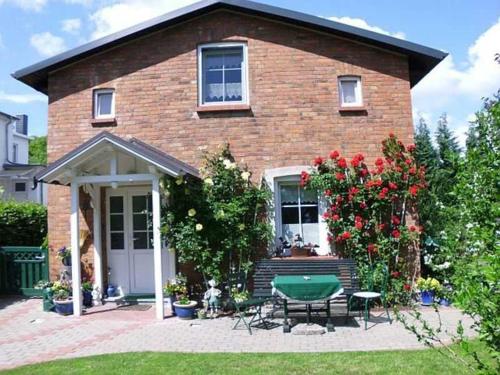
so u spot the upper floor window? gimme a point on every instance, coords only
(104, 103)
(15, 148)
(350, 91)
(222, 74)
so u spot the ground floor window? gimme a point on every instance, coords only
(298, 212)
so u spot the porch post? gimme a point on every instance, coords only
(75, 250)
(160, 313)
(97, 240)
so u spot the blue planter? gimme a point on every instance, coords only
(111, 291)
(64, 307)
(87, 298)
(427, 297)
(444, 302)
(185, 311)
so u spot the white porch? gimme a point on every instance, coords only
(130, 170)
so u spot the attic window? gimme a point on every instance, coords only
(350, 91)
(104, 104)
(222, 75)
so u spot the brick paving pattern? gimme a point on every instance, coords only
(29, 335)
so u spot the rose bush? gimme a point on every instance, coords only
(367, 210)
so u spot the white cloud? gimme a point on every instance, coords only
(124, 13)
(79, 2)
(22, 98)
(71, 25)
(452, 87)
(47, 44)
(34, 5)
(361, 23)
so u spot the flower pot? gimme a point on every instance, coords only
(185, 311)
(66, 261)
(427, 297)
(444, 302)
(64, 307)
(111, 291)
(87, 298)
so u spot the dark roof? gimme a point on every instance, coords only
(146, 151)
(422, 59)
(9, 116)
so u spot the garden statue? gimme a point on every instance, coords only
(212, 297)
(96, 296)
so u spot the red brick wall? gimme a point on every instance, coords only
(293, 96)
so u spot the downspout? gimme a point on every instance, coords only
(7, 141)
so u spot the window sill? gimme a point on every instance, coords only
(99, 122)
(357, 109)
(223, 108)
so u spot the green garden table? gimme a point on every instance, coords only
(307, 289)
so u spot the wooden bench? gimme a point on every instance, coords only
(267, 269)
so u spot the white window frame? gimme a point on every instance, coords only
(96, 103)
(244, 73)
(358, 92)
(15, 151)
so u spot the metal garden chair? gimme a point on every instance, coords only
(370, 295)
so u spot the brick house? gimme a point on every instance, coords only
(280, 86)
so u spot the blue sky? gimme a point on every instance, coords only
(31, 30)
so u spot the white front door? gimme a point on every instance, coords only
(130, 241)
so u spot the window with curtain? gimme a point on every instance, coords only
(223, 74)
(299, 212)
(104, 103)
(350, 91)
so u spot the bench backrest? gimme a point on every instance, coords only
(267, 269)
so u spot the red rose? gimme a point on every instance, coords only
(363, 172)
(339, 199)
(355, 162)
(342, 163)
(334, 155)
(340, 176)
(395, 274)
(411, 148)
(358, 225)
(381, 195)
(381, 226)
(385, 190)
(363, 205)
(318, 161)
(380, 170)
(326, 215)
(335, 217)
(328, 193)
(395, 233)
(372, 249)
(395, 220)
(392, 186)
(412, 171)
(391, 135)
(407, 287)
(353, 191)
(413, 190)
(304, 178)
(346, 235)
(358, 218)
(408, 161)
(379, 162)
(413, 228)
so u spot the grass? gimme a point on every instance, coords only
(426, 361)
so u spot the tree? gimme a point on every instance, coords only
(425, 153)
(38, 150)
(447, 144)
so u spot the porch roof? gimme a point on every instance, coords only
(92, 153)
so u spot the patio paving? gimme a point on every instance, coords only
(29, 335)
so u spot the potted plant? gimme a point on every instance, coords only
(62, 297)
(184, 307)
(428, 288)
(47, 294)
(87, 293)
(174, 288)
(64, 253)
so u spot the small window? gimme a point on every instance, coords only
(350, 91)
(222, 76)
(20, 187)
(15, 148)
(104, 103)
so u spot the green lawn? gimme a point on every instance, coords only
(383, 362)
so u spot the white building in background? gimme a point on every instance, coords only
(16, 174)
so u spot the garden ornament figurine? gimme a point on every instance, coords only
(212, 297)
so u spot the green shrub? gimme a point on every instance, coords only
(22, 223)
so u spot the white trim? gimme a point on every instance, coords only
(169, 171)
(358, 91)
(96, 103)
(160, 312)
(272, 178)
(116, 178)
(245, 84)
(75, 249)
(97, 239)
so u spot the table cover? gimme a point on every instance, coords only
(307, 288)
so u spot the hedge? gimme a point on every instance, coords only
(22, 223)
